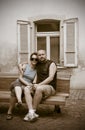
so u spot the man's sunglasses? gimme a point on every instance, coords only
(35, 59)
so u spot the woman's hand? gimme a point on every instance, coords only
(35, 86)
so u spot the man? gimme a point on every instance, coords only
(45, 84)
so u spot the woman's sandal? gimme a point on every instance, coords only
(9, 116)
(19, 104)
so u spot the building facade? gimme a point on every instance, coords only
(56, 26)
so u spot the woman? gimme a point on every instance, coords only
(23, 85)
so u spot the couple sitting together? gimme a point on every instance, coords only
(37, 81)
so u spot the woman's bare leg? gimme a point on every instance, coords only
(28, 97)
(12, 104)
(18, 92)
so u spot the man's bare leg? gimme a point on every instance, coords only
(37, 97)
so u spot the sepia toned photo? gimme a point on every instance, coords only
(42, 65)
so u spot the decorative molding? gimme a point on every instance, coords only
(49, 17)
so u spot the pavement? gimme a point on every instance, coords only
(72, 116)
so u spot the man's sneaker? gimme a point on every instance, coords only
(31, 117)
(36, 115)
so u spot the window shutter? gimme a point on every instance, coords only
(23, 41)
(70, 42)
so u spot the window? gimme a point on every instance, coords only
(48, 38)
(58, 37)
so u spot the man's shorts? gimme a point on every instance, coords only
(47, 91)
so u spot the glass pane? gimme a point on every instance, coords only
(48, 26)
(41, 43)
(54, 49)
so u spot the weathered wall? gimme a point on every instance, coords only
(8, 57)
(13, 10)
(78, 79)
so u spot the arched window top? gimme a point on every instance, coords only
(46, 18)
